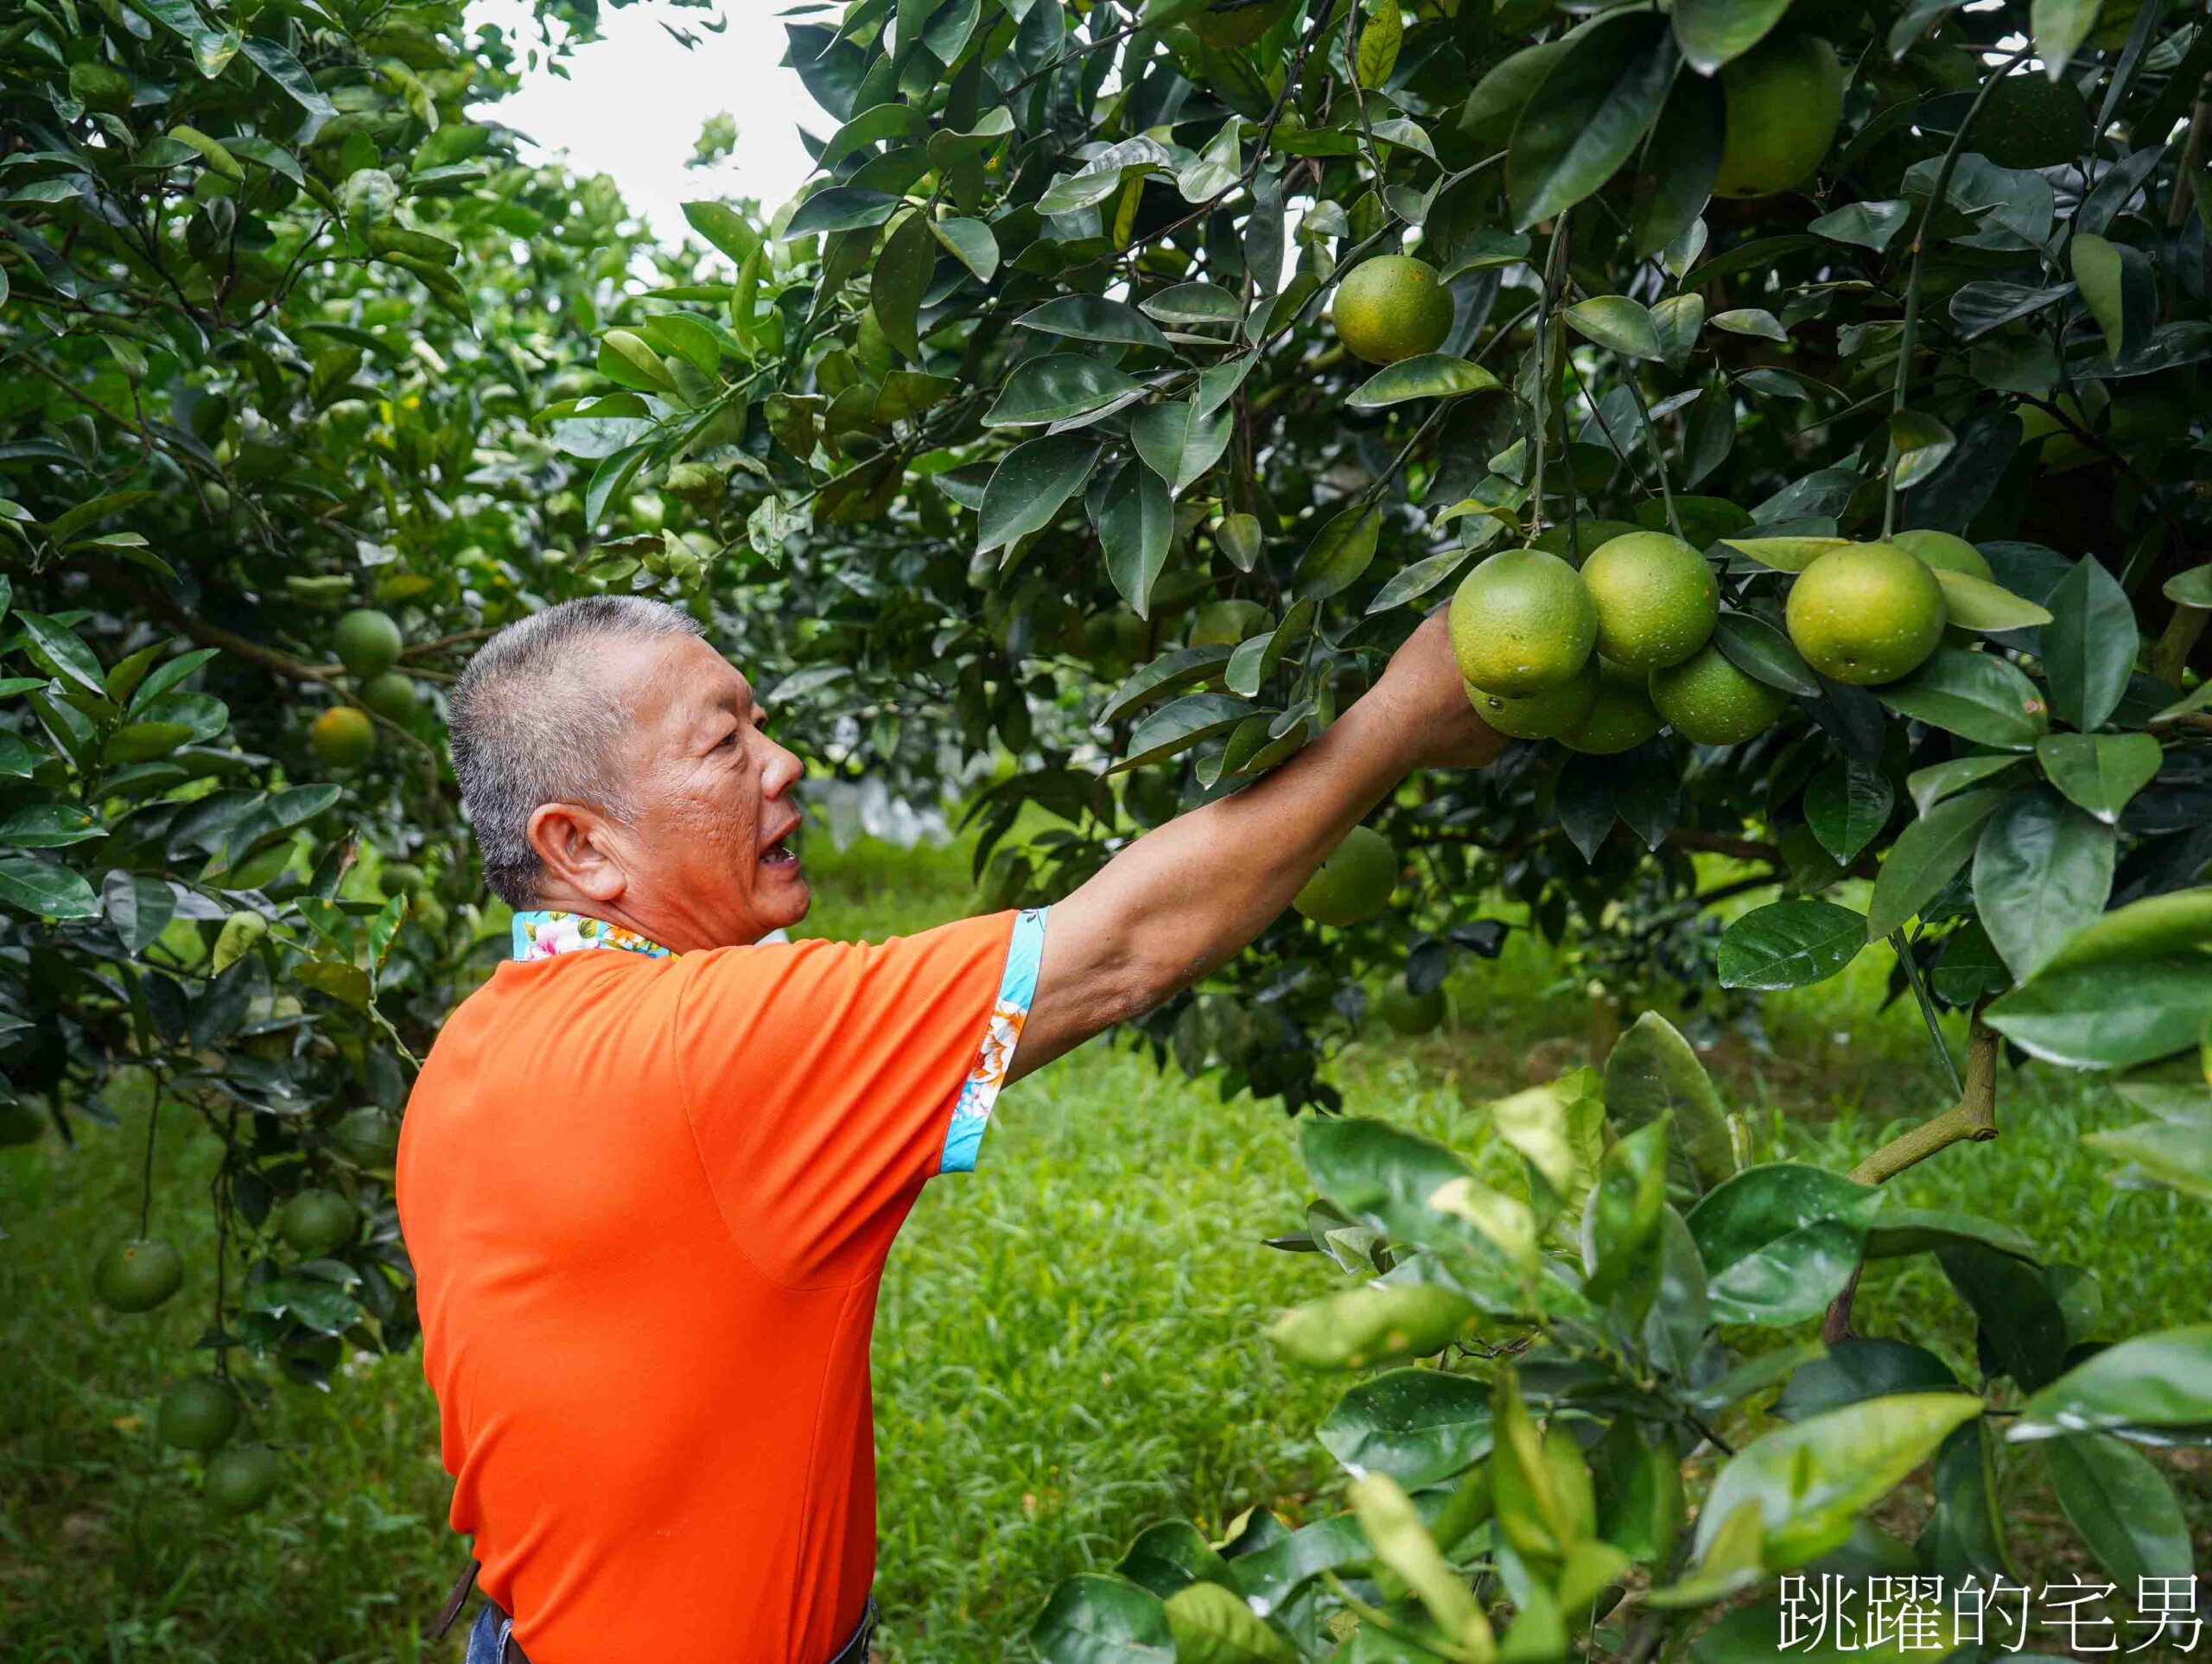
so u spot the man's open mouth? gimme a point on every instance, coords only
(780, 853)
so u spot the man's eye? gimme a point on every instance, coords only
(728, 739)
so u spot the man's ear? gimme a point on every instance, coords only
(574, 842)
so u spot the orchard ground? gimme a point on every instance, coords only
(1028, 1425)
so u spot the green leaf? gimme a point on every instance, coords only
(1178, 443)
(58, 651)
(1652, 1072)
(1175, 727)
(1930, 785)
(2042, 869)
(899, 280)
(1751, 321)
(139, 908)
(2150, 928)
(1402, 1543)
(1093, 318)
(2059, 27)
(971, 243)
(1410, 583)
(724, 227)
(1918, 446)
(1864, 224)
(1171, 1556)
(1099, 1620)
(1616, 322)
(1978, 697)
(2191, 589)
(1169, 673)
(1785, 553)
(1927, 856)
(2162, 1380)
(2124, 1507)
(2176, 1154)
(49, 826)
(1031, 484)
(34, 885)
(1195, 303)
(1622, 1211)
(1056, 387)
(1760, 650)
(2089, 646)
(1859, 1368)
(1430, 375)
(1810, 1481)
(1213, 1625)
(1789, 944)
(1585, 119)
(1340, 551)
(841, 208)
(1421, 1426)
(1847, 804)
(1674, 182)
(2100, 771)
(1977, 604)
(626, 360)
(1901, 1231)
(2108, 1016)
(1135, 520)
(277, 63)
(1780, 1241)
(1377, 54)
(2118, 287)
(1713, 32)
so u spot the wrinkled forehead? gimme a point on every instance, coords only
(669, 687)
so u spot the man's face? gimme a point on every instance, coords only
(709, 852)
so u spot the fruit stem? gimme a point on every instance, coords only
(1908, 335)
(1935, 1040)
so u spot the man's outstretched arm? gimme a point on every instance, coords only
(1194, 893)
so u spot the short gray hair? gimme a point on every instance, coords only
(531, 725)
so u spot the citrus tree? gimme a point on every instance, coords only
(1797, 406)
(274, 313)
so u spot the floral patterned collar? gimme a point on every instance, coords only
(542, 934)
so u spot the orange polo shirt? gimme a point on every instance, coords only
(648, 1199)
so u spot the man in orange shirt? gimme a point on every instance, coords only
(649, 1171)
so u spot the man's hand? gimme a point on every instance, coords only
(1190, 894)
(1439, 721)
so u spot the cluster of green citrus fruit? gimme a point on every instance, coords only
(368, 643)
(1600, 658)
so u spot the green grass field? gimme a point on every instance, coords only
(1068, 1345)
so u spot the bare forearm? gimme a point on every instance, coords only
(1194, 893)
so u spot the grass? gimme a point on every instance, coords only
(1067, 1348)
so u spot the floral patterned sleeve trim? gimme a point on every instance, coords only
(971, 1110)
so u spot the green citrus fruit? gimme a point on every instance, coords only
(1656, 599)
(1866, 615)
(2031, 121)
(1226, 623)
(1235, 24)
(1950, 553)
(240, 1480)
(392, 695)
(1620, 717)
(1354, 883)
(342, 738)
(367, 1137)
(1357, 1326)
(1708, 701)
(368, 642)
(137, 1276)
(1409, 1013)
(1523, 623)
(316, 1222)
(1784, 98)
(197, 1414)
(401, 878)
(1543, 715)
(1389, 307)
(20, 1124)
